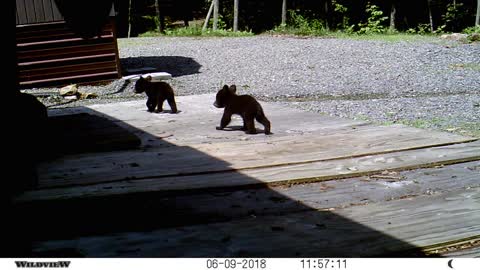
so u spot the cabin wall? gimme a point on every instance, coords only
(50, 53)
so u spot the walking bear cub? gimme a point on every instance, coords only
(245, 105)
(157, 93)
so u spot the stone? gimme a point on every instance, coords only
(455, 37)
(69, 90)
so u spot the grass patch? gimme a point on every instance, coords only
(468, 128)
(131, 42)
(471, 129)
(471, 66)
(196, 31)
(299, 31)
(362, 117)
(421, 123)
(395, 37)
(298, 25)
(386, 37)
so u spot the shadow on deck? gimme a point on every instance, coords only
(56, 221)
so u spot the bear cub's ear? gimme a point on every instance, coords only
(233, 88)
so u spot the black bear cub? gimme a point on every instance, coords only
(157, 93)
(245, 105)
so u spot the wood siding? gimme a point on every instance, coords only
(50, 54)
(37, 11)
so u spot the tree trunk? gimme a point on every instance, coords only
(393, 11)
(477, 18)
(327, 14)
(430, 15)
(161, 18)
(284, 12)
(205, 24)
(235, 15)
(215, 14)
(129, 18)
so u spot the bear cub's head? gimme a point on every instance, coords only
(142, 83)
(224, 95)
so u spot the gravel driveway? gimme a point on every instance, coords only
(428, 84)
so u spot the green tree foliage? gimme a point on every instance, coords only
(375, 23)
(311, 17)
(453, 18)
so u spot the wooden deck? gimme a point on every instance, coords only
(319, 186)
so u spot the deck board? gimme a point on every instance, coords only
(303, 141)
(80, 133)
(299, 173)
(382, 228)
(179, 209)
(473, 252)
(319, 186)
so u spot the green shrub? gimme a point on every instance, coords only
(452, 18)
(297, 24)
(375, 21)
(341, 10)
(422, 29)
(471, 30)
(195, 31)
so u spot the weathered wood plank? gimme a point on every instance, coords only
(82, 50)
(349, 143)
(198, 114)
(39, 11)
(180, 209)
(473, 252)
(21, 12)
(302, 173)
(47, 9)
(82, 133)
(30, 11)
(195, 147)
(369, 230)
(17, 20)
(196, 122)
(57, 16)
(211, 158)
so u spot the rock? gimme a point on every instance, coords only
(70, 97)
(455, 37)
(474, 37)
(69, 90)
(88, 95)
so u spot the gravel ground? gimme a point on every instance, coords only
(428, 84)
